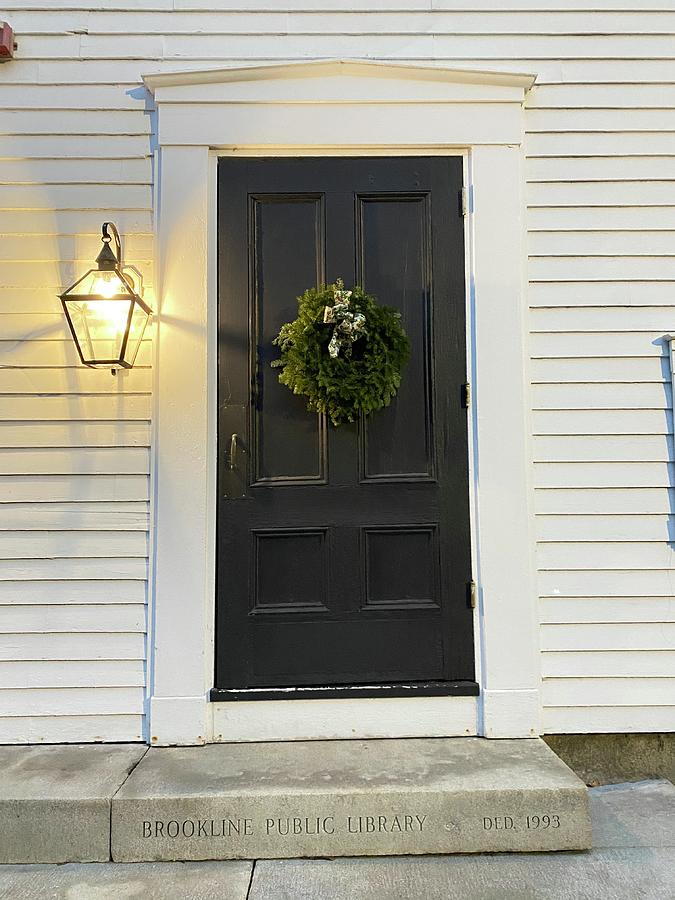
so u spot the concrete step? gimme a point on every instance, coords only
(348, 798)
(55, 800)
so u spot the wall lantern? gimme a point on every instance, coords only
(106, 315)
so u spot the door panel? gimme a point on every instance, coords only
(395, 263)
(281, 225)
(343, 553)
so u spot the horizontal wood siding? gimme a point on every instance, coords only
(74, 443)
(75, 149)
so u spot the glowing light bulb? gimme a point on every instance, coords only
(106, 284)
(115, 315)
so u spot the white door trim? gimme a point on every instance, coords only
(246, 112)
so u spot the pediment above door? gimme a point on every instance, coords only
(340, 102)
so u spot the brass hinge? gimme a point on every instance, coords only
(471, 594)
(466, 395)
(465, 197)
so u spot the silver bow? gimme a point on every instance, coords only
(348, 326)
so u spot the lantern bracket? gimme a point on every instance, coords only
(110, 258)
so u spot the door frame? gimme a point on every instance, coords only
(482, 122)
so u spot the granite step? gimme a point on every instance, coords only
(55, 800)
(348, 798)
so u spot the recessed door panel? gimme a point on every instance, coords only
(396, 267)
(287, 253)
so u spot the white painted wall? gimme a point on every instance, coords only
(76, 148)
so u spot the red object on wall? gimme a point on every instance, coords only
(6, 42)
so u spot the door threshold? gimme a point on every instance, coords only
(352, 691)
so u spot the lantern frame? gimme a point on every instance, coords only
(109, 260)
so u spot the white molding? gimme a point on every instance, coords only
(184, 549)
(179, 720)
(239, 125)
(341, 67)
(192, 133)
(503, 471)
(511, 713)
(297, 720)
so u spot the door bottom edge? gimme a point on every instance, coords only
(351, 692)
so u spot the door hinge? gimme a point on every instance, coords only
(465, 197)
(466, 395)
(471, 594)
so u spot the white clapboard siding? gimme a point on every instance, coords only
(348, 20)
(72, 729)
(571, 610)
(603, 448)
(73, 434)
(604, 475)
(65, 147)
(39, 221)
(74, 381)
(609, 636)
(76, 149)
(591, 318)
(602, 268)
(606, 583)
(71, 488)
(58, 646)
(571, 344)
(95, 590)
(594, 244)
(73, 544)
(73, 701)
(620, 555)
(602, 421)
(81, 246)
(608, 501)
(597, 293)
(101, 516)
(75, 461)
(73, 568)
(74, 618)
(79, 673)
(40, 407)
(609, 663)
(602, 396)
(599, 168)
(629, 719)
(603, 527)
(607, 692)
(632, 369)
(86, 96)
(74, 443)
(572, 218)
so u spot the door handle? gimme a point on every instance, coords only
(233, 451)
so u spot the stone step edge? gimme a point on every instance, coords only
(350, 824)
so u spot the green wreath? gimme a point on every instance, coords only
(344, 352)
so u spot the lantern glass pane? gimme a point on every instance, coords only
(99, 326)
(139, 319)
(102, 283)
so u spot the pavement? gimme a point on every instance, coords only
(633, 857)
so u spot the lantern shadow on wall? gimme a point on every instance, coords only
(105, 312)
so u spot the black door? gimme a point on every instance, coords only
(343, 554)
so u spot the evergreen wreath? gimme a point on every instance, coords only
(344, 352)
